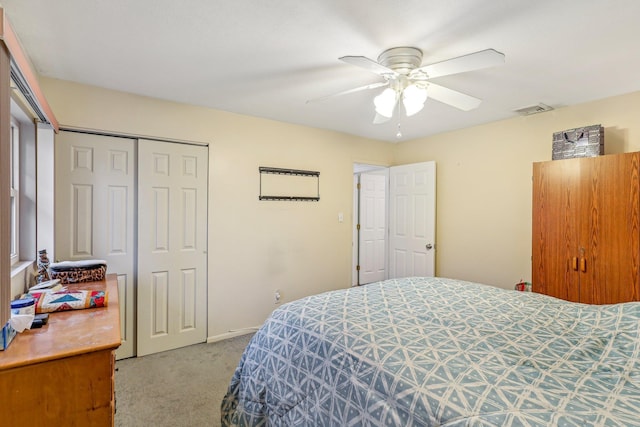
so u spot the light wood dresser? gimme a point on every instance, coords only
(63, 373)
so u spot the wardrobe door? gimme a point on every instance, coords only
(556, 228)
(611, 230)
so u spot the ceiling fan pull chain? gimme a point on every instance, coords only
(399, 133)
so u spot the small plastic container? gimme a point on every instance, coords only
(523, 286)
(23, 306)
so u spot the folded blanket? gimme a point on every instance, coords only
(47, 302)
(78, 271)
(77, 265)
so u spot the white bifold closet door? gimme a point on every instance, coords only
(172, 252)
(152, 235)
(94, 213)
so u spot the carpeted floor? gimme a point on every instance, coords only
(177, 388)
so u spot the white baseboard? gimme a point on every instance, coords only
(232, 334)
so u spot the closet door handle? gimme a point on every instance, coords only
(574, 263)
(583, 265)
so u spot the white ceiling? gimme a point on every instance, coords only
(266, 58)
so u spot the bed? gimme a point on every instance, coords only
(439, 352)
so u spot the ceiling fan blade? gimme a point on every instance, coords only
(451, 97)
(473, 61)
(379, 118)
(369, 65)
(346, 92)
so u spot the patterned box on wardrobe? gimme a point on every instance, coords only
(587, 141)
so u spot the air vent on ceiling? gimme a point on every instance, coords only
(533, 109)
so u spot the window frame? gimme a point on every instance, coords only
(14, 190)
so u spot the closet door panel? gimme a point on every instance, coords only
(172, 238)
(94, 212)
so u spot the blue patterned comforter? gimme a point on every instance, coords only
(439, 352)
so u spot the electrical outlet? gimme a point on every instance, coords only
(276, 297)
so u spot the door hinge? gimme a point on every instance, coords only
(358, 186)
(357, 268)
(358, 227)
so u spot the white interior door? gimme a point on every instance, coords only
(412, 212)
(373, 227)
(172, 252)
(94, 212)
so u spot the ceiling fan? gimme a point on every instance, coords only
(407, 81)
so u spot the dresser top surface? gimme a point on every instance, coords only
(69, 333)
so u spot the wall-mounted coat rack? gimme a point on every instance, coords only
(289, 184)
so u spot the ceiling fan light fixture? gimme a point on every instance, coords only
(386, 102)
(408, 80)
(413, 99)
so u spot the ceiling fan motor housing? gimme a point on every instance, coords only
(401, 59)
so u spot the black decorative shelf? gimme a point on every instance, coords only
(291, 198)
(281, 171)
(292, 172)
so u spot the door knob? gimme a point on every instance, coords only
(429, 246)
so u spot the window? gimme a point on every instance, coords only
(15, 191)
(20, 209)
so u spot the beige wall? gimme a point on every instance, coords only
(483, 191)
(255, 247)
(484, 184)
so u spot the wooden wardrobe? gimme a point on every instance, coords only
(586, 228)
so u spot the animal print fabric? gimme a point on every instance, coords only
(78, 271)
